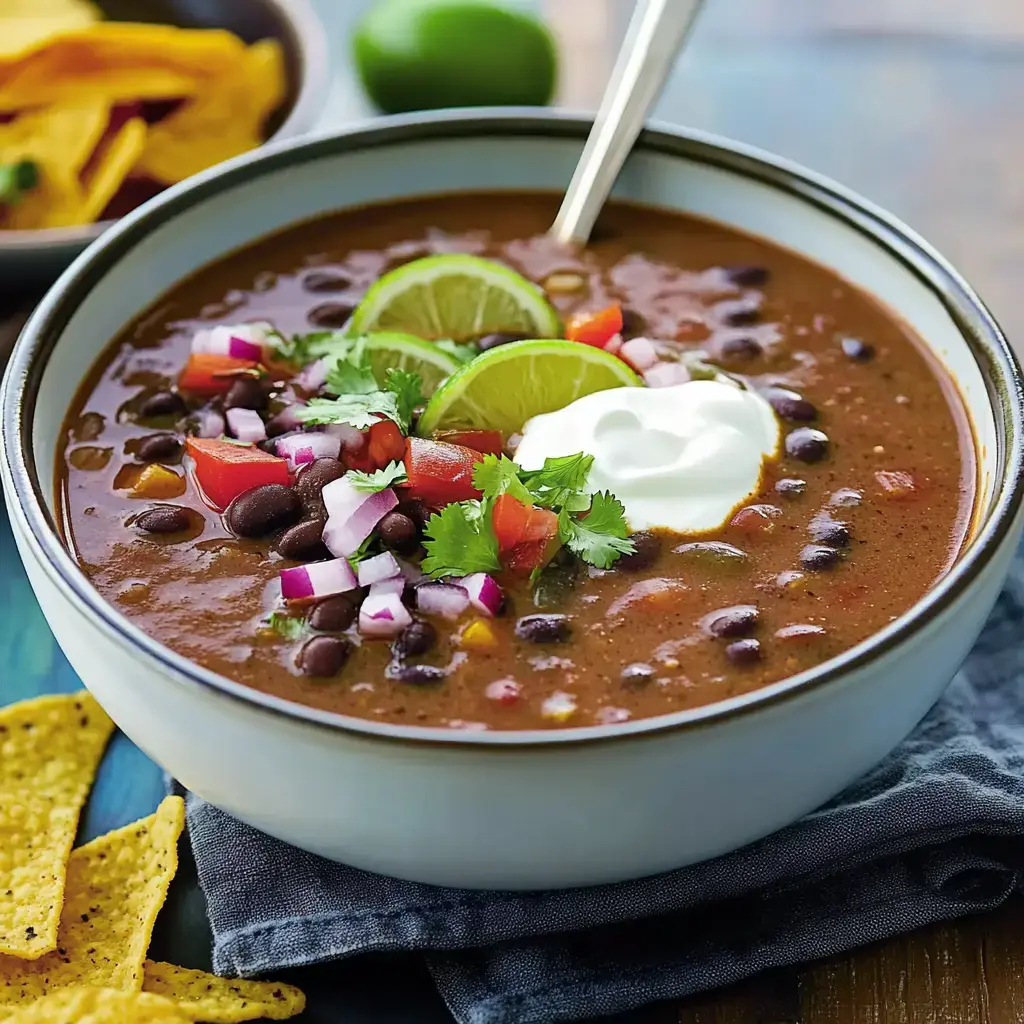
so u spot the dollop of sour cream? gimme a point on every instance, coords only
(681, 457)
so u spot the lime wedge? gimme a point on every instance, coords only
(458, 297)
(503, 388)
(390, 349)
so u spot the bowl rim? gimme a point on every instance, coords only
(996, 360)
(314, 78)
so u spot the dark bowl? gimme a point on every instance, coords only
(35, 258)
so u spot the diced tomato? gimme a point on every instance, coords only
(527, 536)
(487, 441)
(386, 443)
(208, 373)
(596, 329)
(439, 473)
(226, 470)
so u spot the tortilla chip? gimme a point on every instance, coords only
(116, 885)
(67, 9)
(205, 997)
(223, 122)
(100, 1006)
(18, 35)
(119, 62)
(113, 165)
(49, 751)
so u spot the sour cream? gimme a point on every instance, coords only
(681, 457)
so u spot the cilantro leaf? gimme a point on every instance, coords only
(600, 537)
(359, 411)
(301, 349)
(464, 353)
(379, 479)
(497, 475)
(407, 387)
(348, 378)
(460, 540)
(286, 625)
(559, 481)
(362, 552)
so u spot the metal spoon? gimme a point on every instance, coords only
(655, 35)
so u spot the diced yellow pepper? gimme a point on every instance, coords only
(157, 481)
(478, 636)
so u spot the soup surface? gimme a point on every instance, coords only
(865, 505)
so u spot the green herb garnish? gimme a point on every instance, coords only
(379, 479)
(599, 537)
(16, 179)
(461, 540)
(287, 626)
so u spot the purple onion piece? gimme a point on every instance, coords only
(312, 377)
(344, 535)
(318, 579)
(382, 615)
(352, 440)
(378, 568)
(442, 599)
(210, 423)
(484, 593)
(246, 425)
(300, 449)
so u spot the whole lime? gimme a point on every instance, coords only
(426, 54)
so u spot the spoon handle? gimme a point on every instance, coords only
(653, 39)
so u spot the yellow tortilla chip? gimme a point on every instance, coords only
(112, 166)
(205, 997)
(100, 1006)
(116, 885)
(68, 9)
(49, 751)
(119, 62)
(223, 122)
(18, 35)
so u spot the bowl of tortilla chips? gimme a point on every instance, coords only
(105, 103)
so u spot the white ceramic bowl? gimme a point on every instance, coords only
(529, 809)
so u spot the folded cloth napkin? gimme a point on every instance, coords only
(936, 831)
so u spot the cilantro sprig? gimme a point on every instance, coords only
(288, 626)
(460, 539)
(380, 479)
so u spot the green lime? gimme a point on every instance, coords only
(457, 297)
(428, 54)
(506, 386)
(390, 349)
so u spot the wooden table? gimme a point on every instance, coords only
(918, 105)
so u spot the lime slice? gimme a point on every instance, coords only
(458, 297)
(390, 349)
(503, 388)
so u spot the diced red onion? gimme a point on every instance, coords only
(665, 375)
(352, 440)
(209, 423)
(246, 425)
(341, 499)
(484, 593)
(382, 614)
(312, 377)
(396, 585)
(301, 449)
(442, 599)
(318, 579)
(240, 341)
(379, 567)
(288, 418)
(344, 533)
(640, 353)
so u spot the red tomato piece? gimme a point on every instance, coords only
(489, 442)
(386, 443)
(439, 473)
(596, 329)
(208, 373)
(527, 536)
(226, 470)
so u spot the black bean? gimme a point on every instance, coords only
(744, 652)
(633, 324)
(262, 510)
(742, 315)
(791, 486)
(859, 351)
(164, 519)
(333, 615)
(154, 447)
(163, 403)
(324, 656)
(312, 479)
(303, 542)
(845, 497)
(268, 445)
(807, 444)
(730, 622)
(331, 315)
(648, 548)
(246, 393)
(416, 510)
(790, 406)
(713, 554)
(824, 529)
(817, 557)
(740, 349)
(489, 341)
(544, 629)
(747, 275)
(417, 638)
(319, 281)
(637, 675)
(399, 533)
(420, 675)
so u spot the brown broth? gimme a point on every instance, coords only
(206, 594)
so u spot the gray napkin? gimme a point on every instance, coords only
(936, 831)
